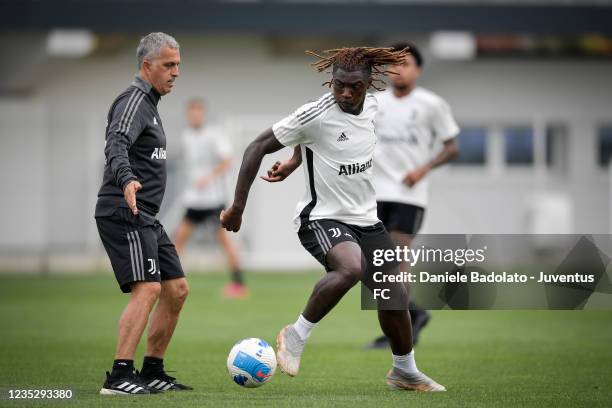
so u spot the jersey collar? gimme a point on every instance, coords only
(146, 87)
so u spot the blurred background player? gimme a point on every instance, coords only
(411, 120)
(207, 158)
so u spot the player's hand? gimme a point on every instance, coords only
(129, 193)
(231, 219)
(415, 176)
(279, 171)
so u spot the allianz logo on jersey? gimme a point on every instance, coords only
(354, 168)
(159, 153)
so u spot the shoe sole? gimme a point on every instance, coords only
(107, 391)
(402, 386)
(154, 390)
(280, 348)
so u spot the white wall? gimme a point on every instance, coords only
(506, 92)
(52, 140)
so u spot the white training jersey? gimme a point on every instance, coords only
(407, 129)
(337, 151)
(203, 150)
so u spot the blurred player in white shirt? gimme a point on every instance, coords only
(207, 157)
(411, 121)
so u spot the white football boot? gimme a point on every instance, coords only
(289, 349)
(400, 380)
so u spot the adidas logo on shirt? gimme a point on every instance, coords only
(342, 138)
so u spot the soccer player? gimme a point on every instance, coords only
(143, 258)
(207, 158)
(336, 220)
(409, 122)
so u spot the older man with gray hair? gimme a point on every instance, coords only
(143, 258)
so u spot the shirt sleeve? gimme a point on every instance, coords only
(294, 129)
(125, 124)
(444, 124)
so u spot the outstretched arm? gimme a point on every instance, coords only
(448, 153)
(282, 169)
(266, 143)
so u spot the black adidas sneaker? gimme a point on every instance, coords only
(161, 381)
(129, 384)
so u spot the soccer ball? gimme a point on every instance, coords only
(251, 362)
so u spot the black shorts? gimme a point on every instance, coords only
(198, 216)
(320, 236)
(406, 218)
(139, 248)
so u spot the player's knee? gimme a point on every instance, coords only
(397, 297)
(146, 291)
(347, 260)
(176, 293)
(181, 291)
(351, 271)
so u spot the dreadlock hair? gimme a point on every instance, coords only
(368, 59)
(412, 50)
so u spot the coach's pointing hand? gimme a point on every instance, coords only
(231, 219)
(129, 193)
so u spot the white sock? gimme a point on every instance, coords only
(303, 327)
(405, 362)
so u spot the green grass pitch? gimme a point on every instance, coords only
(59, 332)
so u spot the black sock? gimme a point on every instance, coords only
(122, 368)
(237, 276)
(152, 364)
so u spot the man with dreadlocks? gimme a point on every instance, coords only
(336, 220)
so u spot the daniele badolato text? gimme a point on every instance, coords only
(460, 258)
(479, 277)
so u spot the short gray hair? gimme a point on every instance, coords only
(151, 44)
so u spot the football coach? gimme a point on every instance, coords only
(143, 258)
